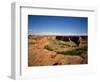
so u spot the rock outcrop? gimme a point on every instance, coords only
(39, 56)
(83, 42)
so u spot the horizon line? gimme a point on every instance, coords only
(55, 35)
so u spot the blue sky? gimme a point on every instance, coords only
(57, 25)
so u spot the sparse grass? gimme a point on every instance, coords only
(72, 52)
(48, 48)
(65, 43)
(82, 52)
(75, 52)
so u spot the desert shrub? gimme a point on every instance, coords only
(72, 44)
(73, 52)
(66, 43)
(82, 52)
(48, 48)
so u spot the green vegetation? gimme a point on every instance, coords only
(65, 43)
(59, 44)
(74, 52)
(80, 52)
(48, 48)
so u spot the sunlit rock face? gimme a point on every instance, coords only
(82, 41)
(39, 56)
(40, 40)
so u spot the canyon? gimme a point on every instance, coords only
(57, 50)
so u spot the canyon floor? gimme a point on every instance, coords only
(49, 51)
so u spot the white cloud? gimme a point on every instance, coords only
(55, 33)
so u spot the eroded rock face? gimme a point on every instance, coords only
(38, 42)
(82, 42)
(41, 57)
(38, 56)
(74, 59)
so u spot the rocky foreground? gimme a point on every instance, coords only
(40, 55)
